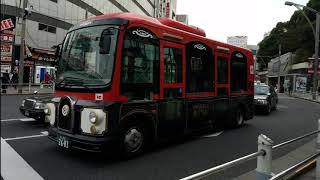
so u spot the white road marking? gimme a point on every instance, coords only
(20, 119)
(6, 120)
(27, 119)
(13, 166)
(213, 135)
(43, 133)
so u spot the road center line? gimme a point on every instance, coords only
(44, 133)
(13, 166)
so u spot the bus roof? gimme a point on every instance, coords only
(165, 23)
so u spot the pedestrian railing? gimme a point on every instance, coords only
(27, 88)
(264, 159)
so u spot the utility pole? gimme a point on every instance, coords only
(316, 58)
(279, 72)
(22, 45)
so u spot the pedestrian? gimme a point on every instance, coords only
(14, 79)
(47, 78)
(5, 80)
(290, 88)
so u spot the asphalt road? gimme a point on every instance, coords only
(293, 118)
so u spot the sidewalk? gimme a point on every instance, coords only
(289, 160)
(306, 96)
(29, 90)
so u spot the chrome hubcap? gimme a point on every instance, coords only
(133, 140)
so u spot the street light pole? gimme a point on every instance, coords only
(22, 46)
(316, 58)
(316, 44)
(279, 72)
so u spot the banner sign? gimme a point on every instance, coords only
(310, 68)
(6, 24)
(7, 38)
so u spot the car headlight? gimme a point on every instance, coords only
(23, 101)
(39, 105)
(262, 101)
(93, 117)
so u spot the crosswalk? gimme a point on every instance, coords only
(18, 119)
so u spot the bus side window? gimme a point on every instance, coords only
(200, 68)
(239, 73)
(140, 65)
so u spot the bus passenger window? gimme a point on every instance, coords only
(200, 68)
(238, 66)
(140, 64)
(172, 65)
(222, 70)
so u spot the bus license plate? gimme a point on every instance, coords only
(63, 142)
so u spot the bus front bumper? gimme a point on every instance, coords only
(82, 142)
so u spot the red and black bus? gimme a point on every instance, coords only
(131, 80)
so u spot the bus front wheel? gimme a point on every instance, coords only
(134, 139)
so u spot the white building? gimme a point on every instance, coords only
(182, 18)
(51, 19)
(166, 8)
(240, 41)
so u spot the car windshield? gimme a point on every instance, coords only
(261, 90)
(84, 59)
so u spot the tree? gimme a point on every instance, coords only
(294, 36)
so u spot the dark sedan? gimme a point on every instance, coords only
(34, 106)
(265, 98)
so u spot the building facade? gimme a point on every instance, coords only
(165, 8)
(183, 18)
(51, 19)
(240, 41)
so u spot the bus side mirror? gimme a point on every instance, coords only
(105, 41)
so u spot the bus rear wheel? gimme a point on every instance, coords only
(238, 119)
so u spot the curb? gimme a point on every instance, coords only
(303, 170)
(310, 100)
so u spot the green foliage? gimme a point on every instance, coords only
(294, 36)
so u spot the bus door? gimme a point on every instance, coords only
(222, 79)
(172, 89)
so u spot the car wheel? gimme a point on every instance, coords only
(134, 139)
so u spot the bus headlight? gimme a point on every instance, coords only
(94, 121)
(93, 117)
(23, 101)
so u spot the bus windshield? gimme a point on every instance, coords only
(84, 58)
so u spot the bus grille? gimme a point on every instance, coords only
(65, 114)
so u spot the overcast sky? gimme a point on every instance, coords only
(223, 18)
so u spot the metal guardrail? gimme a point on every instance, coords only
(264, 159)
(27, 88)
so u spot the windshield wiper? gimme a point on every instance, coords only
(74, 81)
(69, 80)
